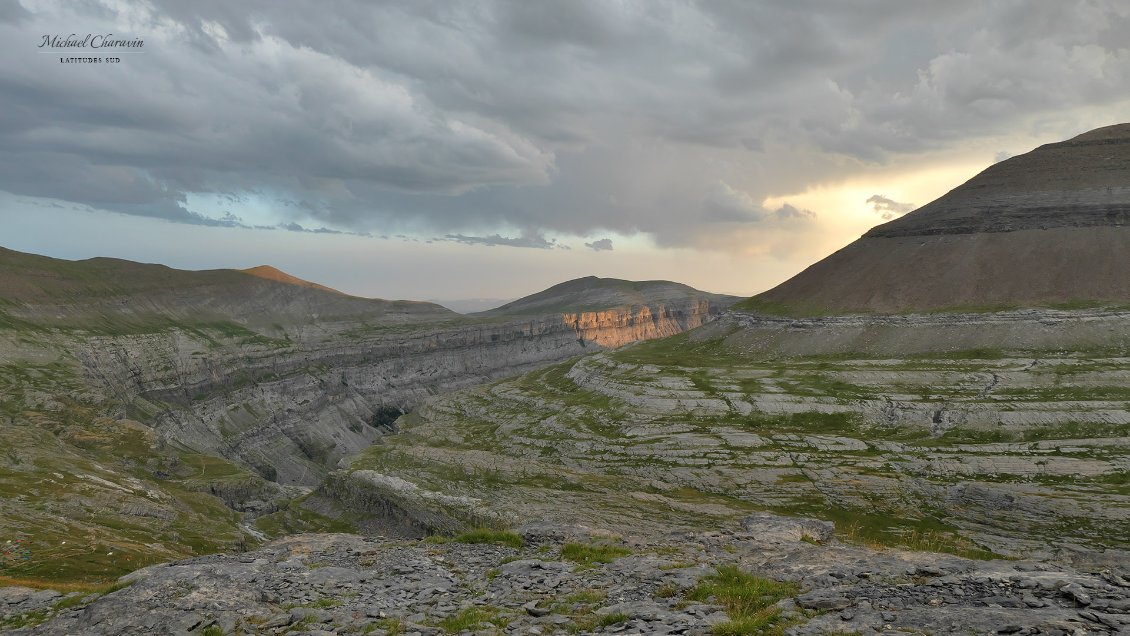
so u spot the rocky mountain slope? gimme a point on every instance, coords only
(145, 410)
(1043, 229)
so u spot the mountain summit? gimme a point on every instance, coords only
(591, 293)
(1047, 228)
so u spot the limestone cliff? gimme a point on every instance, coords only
(619, 327)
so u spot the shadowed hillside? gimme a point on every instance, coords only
(1050, 228)
(109, 294)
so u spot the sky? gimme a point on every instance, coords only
(453, 150)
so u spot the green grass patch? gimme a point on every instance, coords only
(592, 553)
(766, 307)
(805, 422)
(473, 618)
(68, 602)
(1076, 430)
(613, 618)
(749, 601)
(28, 619)
(680, 351)
(925, 534)
(1068, 393)
(487, 535)
(586, 597)
(1117, 478)
(586, 622)
(977, 353)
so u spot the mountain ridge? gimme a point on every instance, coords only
(270, 272)
(592, 293)
(1048, 228)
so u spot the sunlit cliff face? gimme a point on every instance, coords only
(617, 327)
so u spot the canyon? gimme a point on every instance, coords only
(154, 413)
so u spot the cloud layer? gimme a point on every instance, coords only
(600, 245)
(888, 208)
(459, 120)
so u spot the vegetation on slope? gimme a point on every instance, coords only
(88, 496)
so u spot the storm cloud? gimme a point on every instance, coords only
(727, 204)
(673, 119)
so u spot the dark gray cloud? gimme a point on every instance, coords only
(569, 117)
(295, 227)
(725, 204)
(888, 208)
(536, 242)
(600, 245)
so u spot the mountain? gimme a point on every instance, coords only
(470, 305)
(594, 294)
(114, 295)
(271, 273)
(1047, 228)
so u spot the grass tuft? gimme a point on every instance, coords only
(472, 618)
(587, 622)
(749, 601)
(394, 626)
(589, 553)
(486, 535)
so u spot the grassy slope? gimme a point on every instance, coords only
(86, 495)
(115, 296)
(90, 496)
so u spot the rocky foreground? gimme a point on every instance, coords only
(555, 583)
